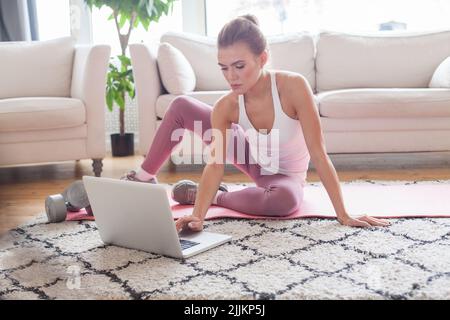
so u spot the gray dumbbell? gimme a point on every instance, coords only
(73, 199)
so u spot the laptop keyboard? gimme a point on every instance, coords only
(187, 244)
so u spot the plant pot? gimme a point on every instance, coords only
(122, 146)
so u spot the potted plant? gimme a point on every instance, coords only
(120, 81)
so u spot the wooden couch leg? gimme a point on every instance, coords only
(97, 165)
(172, 166)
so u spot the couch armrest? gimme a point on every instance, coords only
(89, 85)
(441, 76)
(148, 89)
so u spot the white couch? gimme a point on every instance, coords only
(372, 91)
(52, 102)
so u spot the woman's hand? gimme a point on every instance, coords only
(363, 221)
(189, 222)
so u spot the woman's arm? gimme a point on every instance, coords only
(213, 172)
(302, 97)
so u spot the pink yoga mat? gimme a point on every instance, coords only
(394, 201)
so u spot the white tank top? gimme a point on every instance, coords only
(285, 140)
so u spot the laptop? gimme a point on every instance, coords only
(137, 215)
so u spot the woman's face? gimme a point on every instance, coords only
(241, 67)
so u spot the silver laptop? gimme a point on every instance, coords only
(138, 216)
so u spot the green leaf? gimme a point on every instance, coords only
(150, 7)
(126, 73)
(124, 60)
(123, 19)
(145, 24)
(118, 97)
(136, 22)
(109, 99)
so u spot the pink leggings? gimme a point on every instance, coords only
(274, 195)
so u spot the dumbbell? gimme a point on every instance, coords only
(73, 199)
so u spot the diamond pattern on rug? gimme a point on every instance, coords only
(388, 276)
(335, 287)
(267, 259)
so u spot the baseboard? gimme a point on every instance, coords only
(360, 161)
(397, 160)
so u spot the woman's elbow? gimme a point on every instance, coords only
(220, 167)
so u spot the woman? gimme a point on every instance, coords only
(260, 100)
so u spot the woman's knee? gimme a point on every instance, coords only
(284, 200)
(178, 104)
(189, 110)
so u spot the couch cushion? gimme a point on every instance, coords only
(36, 68)
(385, 103)
(23, 114)
(292, 52)
(176, 72)
(441, 76)
(374, 61)
(79, 132)
(384, 124)
(208, 97)
(201, 52)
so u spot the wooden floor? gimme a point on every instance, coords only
(23, 189)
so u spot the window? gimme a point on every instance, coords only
(53, 18)
(104, 30)
(281, 16)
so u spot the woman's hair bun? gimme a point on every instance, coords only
(250, 17)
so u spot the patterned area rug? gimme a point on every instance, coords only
(267, 259)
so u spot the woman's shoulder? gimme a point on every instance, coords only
(287, 79)
(228, 105)
(289, 84)
(228, 100)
